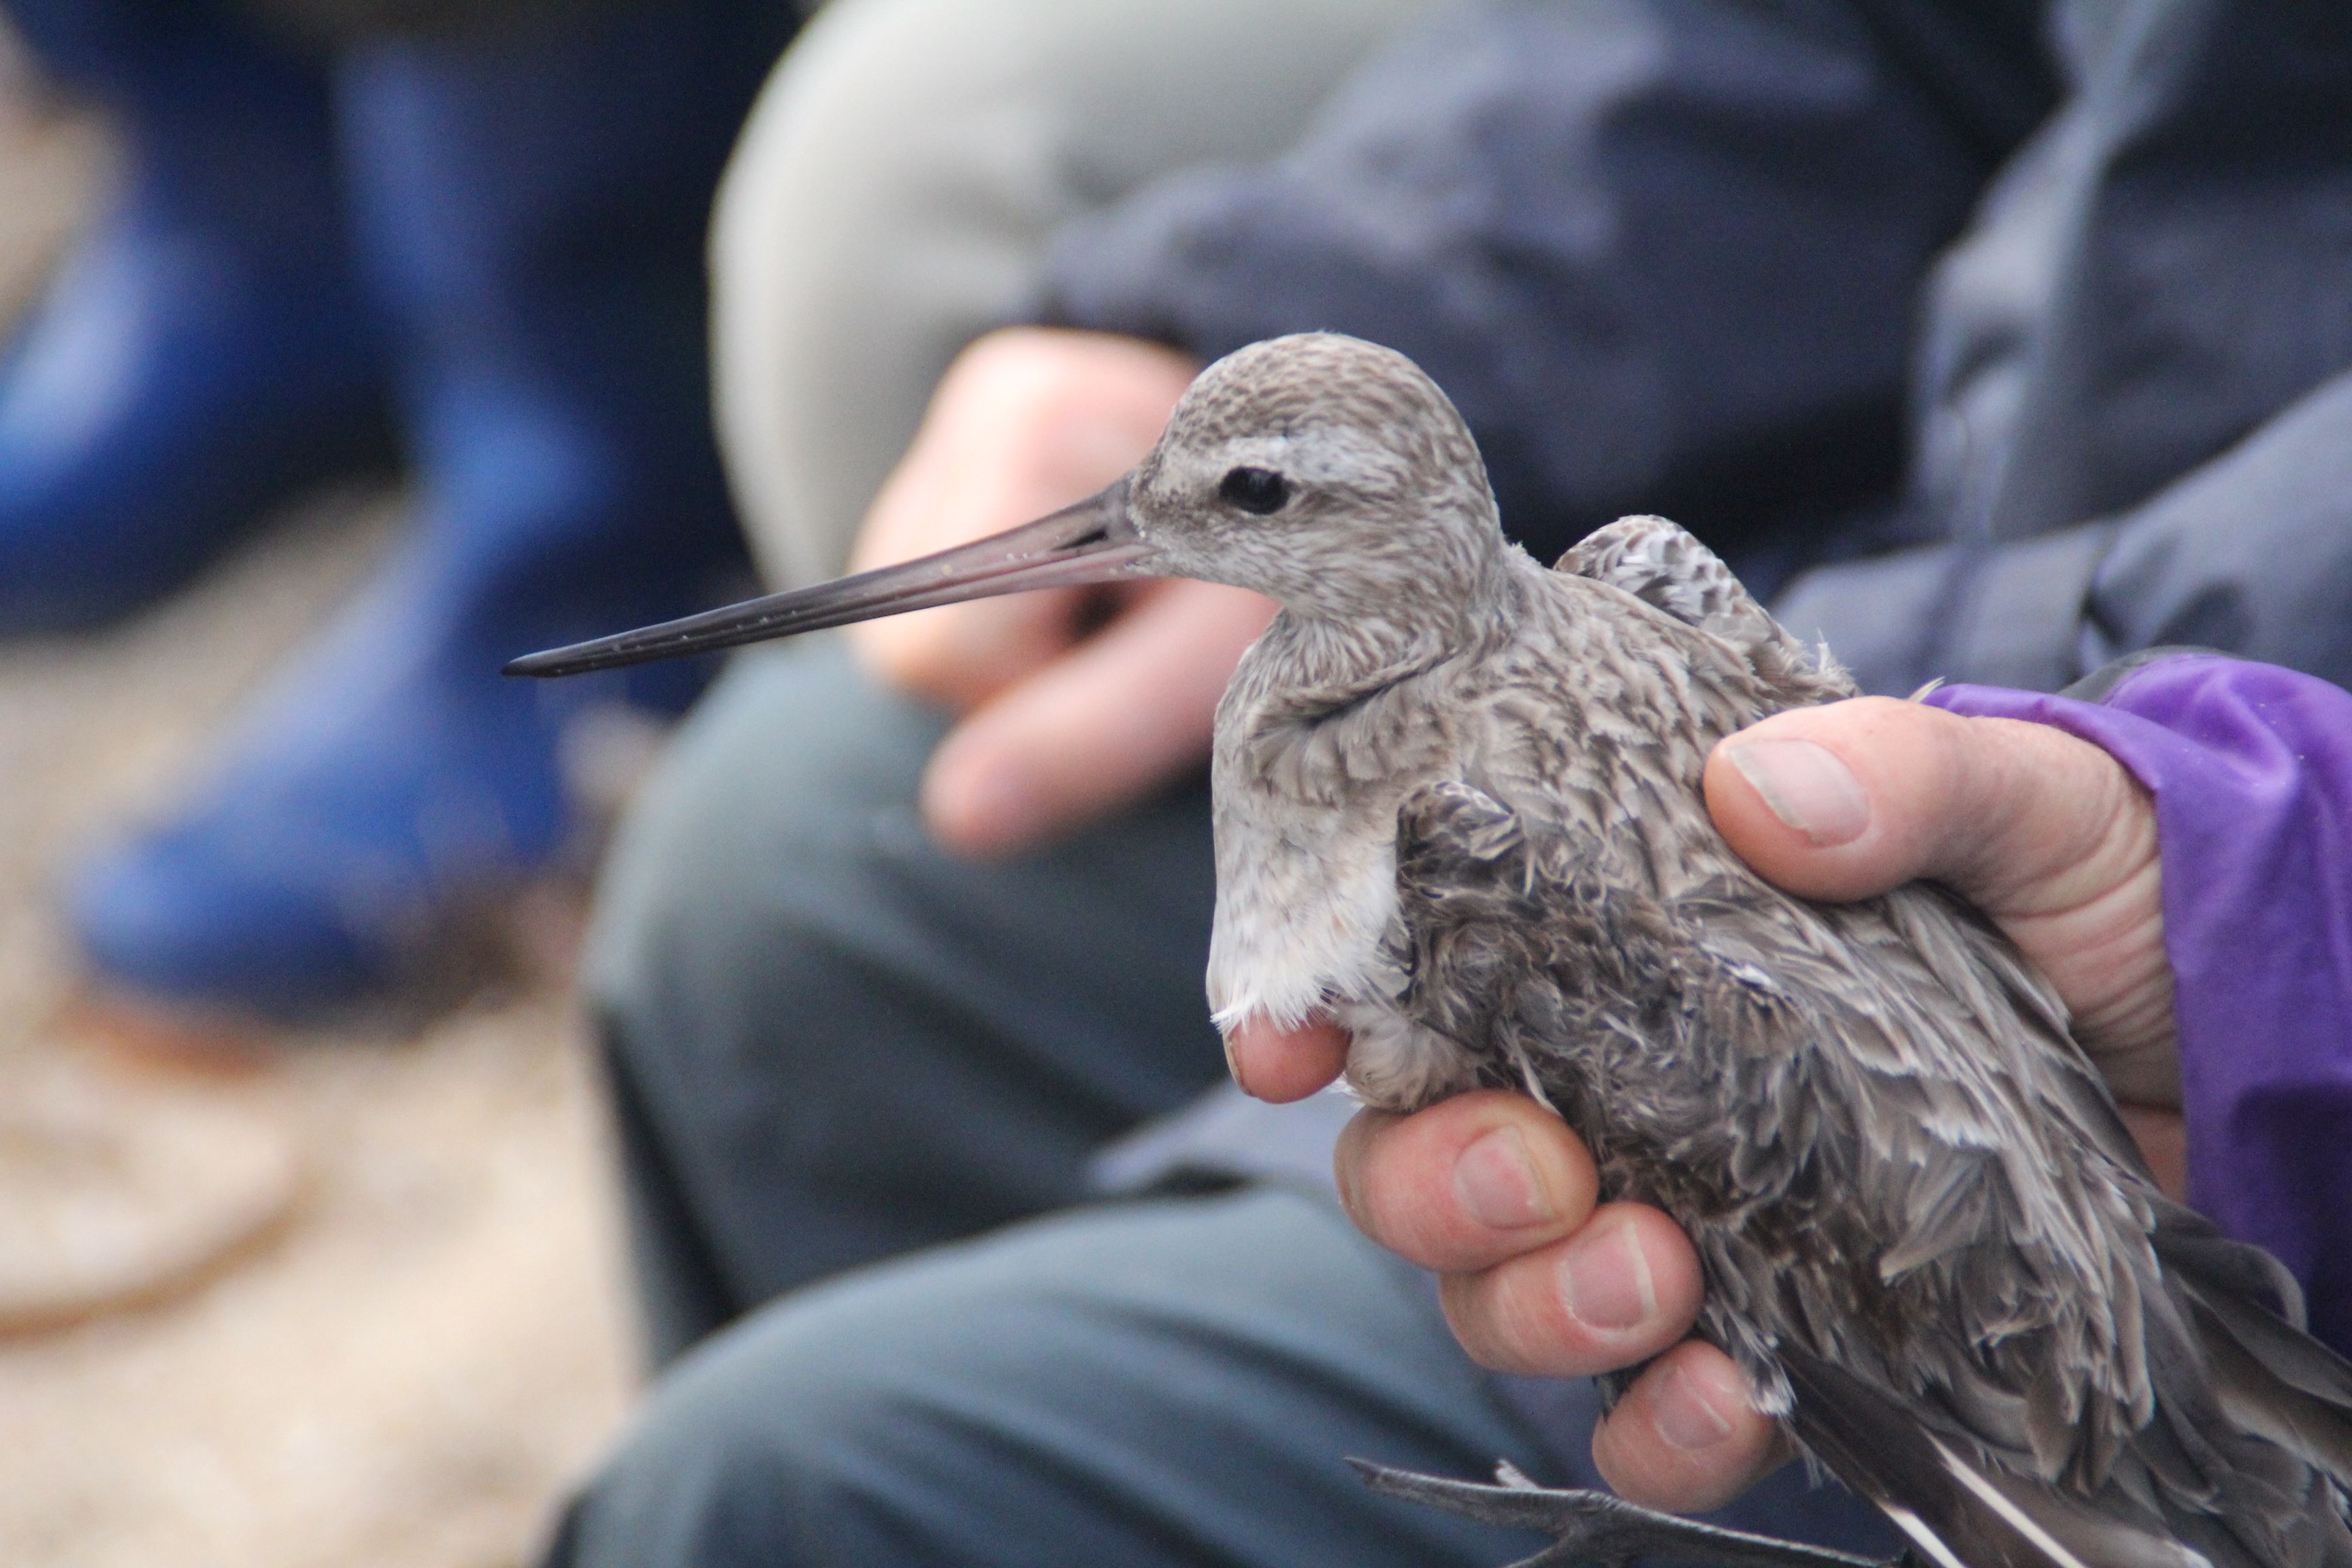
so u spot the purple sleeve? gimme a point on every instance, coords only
(2251, 766)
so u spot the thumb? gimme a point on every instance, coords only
(2048, 834)
(1850, 799)
(1114, 718)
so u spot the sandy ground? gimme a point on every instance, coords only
(406, 1365)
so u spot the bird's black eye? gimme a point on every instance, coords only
(1261, 490)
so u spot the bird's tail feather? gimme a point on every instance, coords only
(2270, 1380)
(1957, 1512)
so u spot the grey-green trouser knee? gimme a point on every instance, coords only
(1158, 1384)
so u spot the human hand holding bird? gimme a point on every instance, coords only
(2046, 833)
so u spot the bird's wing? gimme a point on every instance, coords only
(1925, 1231)
(2111, 1415)
(1663, 566)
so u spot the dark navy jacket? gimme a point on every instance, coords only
(2026, 332)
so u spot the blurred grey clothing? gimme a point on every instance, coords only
(2134, 420)
(892, 195)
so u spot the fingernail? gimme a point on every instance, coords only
(1808, 786)
(1496, 1183)
(1234, 1062)
(1681, 1412)
(1604, 1282)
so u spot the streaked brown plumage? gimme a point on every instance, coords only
(1458, 807)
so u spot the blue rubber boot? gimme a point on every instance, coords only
(205, 353)
(532, 207)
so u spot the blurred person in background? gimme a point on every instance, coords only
(1998, 341)
(475, 225)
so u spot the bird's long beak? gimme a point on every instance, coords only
(1092, 541)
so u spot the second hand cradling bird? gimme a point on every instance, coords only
(1458, 810)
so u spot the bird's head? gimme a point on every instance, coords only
(1327, 473)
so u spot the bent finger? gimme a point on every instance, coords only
(1467, 1183)
(1622, 1287)
(1686, 1436)
(1103, 724)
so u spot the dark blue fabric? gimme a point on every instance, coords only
(1664, 254)
(1681, 257)
(204, 354)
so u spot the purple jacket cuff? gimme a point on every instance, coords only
(2250, 767)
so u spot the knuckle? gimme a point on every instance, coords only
(1522, 1315)
(1433, 1188)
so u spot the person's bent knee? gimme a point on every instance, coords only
(748, 810)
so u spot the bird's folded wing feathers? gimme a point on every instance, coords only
(2195, 1413)
(1733, 1026)
(1958, 1511)
(1665, 567)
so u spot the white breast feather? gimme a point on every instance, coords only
(1314, 926)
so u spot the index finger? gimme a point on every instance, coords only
(1467, 1183)
(1096, 726)
(1278, 1065)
